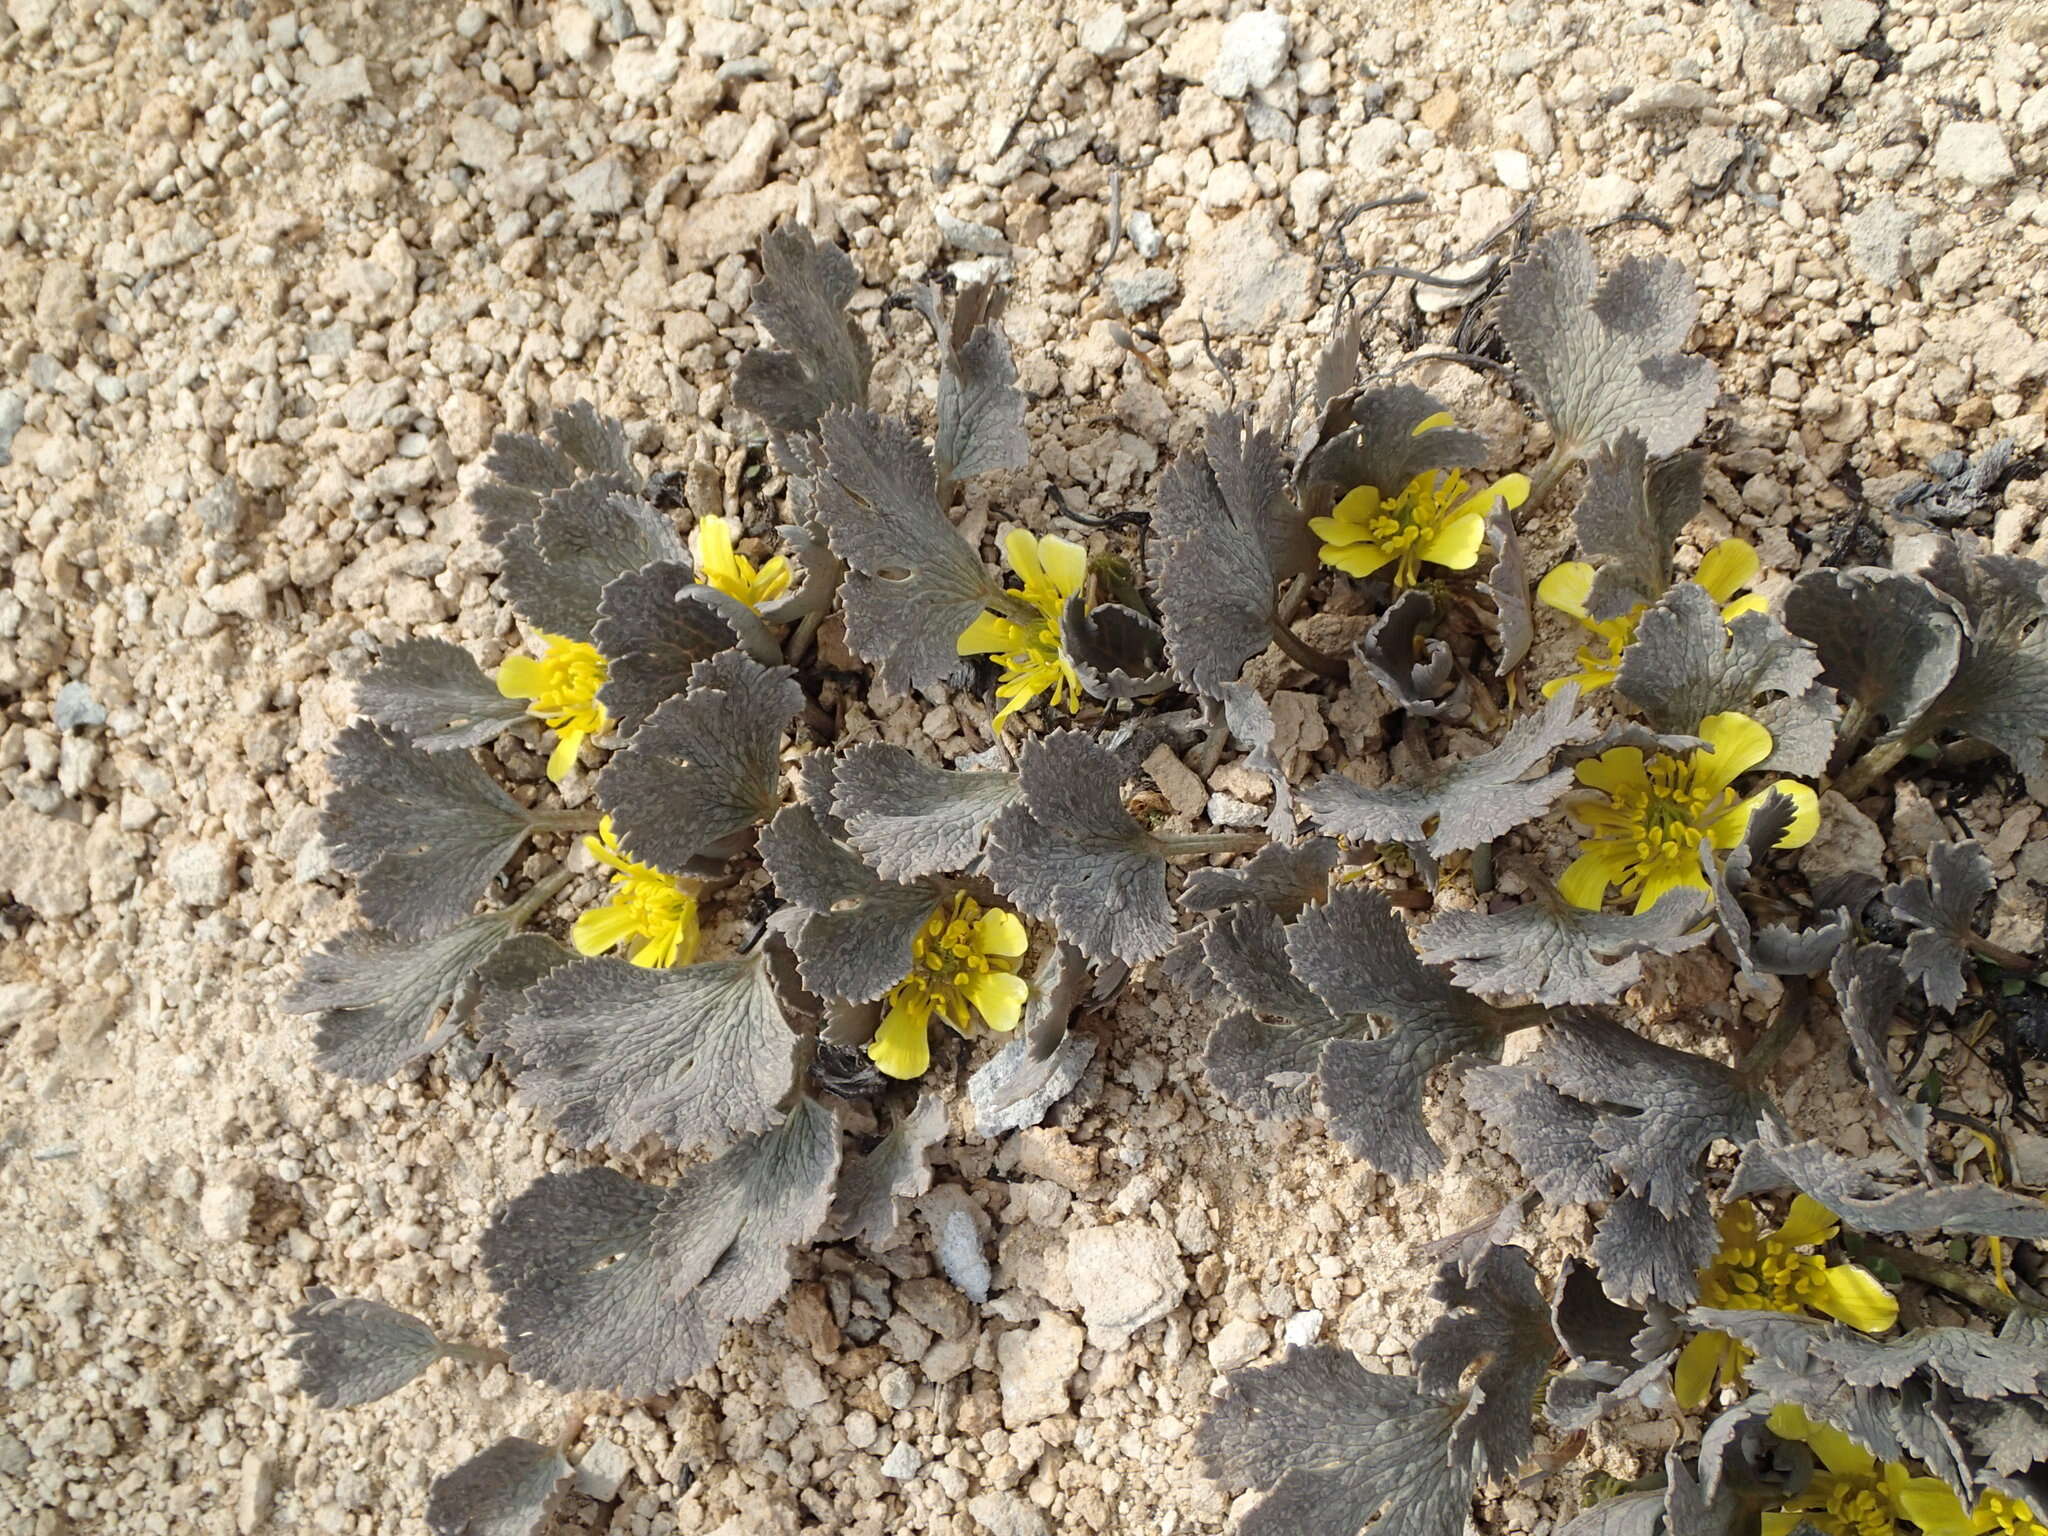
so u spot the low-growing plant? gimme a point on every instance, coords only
(795, 922)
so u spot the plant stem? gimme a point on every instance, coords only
(1856, 723)
(1999, 955)
(1867, 769)
(1965, 1284)
(1770, 1045)
(563, 821)
(1183, 845)
(800, 639)
(1302, 654)
(521, 912)
(1547, 477)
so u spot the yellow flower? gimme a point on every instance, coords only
(646, 904)
(1029, 653)
(1753, 1273)
(562, 685)
(1852, 1493)
(963, 964)
(1728, 568)
(1652, 815)
(718, 565)
(1431, 519)
(1995, 1514)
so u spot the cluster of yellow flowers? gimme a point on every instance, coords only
(1028, 651)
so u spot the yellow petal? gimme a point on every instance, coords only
(600, 929)
(1779, 1522)
(713, 541)
(519, 677)
(1359, 505)
(1753, 603)
(773, 580)
(1664, 881)
(990, 632)
(1455, 545)
(1727, 568)
(563, 758)
(1433, 422)
(1330, 531)
(1512, 489)
(1566, 589)
(1933, 1506)
(1585, 882)
(1807, 1223)
(1727, 831)
(1020, 552)
(1788, 1421)
(999, 932)
(999, 998)
(902, 1047)
(1359, 560)
(1616, 769)
(1739, 744)
(1065, 562)
(1851, 1294)
(1699, 1363)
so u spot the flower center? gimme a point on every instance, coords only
(1769, 1276)
(946, 959)
(571, 673)
(1856, 1509)
(1403, 526)
(1666, 816)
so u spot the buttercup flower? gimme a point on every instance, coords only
(1995, 1514)
(1029, 653)
(1726, 570)
(1756, 1273)
(1653, 814)
(1852, 1493)
(562, 685)
(655, 908)
(1433, 519)
(720, 566)
(963, 967)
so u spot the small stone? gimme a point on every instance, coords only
(1250, 54)
(1436, 298)
(1848, 842)
(1439, 111)
(747, 170)
(1245, 279)
(338, 84)
(1666, 98)
(602, 188)
(708, 231)
(897, 1387)
(1375, 142)
(1607, 197)
(603, 1468)
(1182, 786)
(1045, 1152)
(1006, 1514)
(969, 235)
(1106, 34)
(642, 71)
(1124, 1276)
(803, 1386)
(1238, 1342)
(998, 1109)
(77, 709)
(225, 1209)
(1229, 811)
(575, 30)
(1135, 292)
(481, 143)
(1972, 153)
(1846, 24)
(860, 1429)
(1514, 169)
(258, 1489)
(1144, 233)
(1034, 1366)
(202, 875)
(1877, 241)
(937, 1305)
(43, 862)
(1303, 1328)
(956, 1234)
(1805, 89)
(903, 1462)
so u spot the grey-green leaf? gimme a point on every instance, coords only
(524, 470)
(1870, 985)
(1494, 1318)
(609, 1284)
(705, 766)
(1413, 665)
(1629, 520)
(908, 818)
(872, 1187)
(378, 997)
(1508, 585)
(801, 300)
(587, 536)
(1336, 1449)
(2000, 689)
(1456, 804)
(1887, 641)
(426, 832)
(854, 939)
(351, 1350)
(434, 695)
(1369, 438)
(696, 1056)
(981, 410)
(1602, 357)
(1555, 953)
(1072, 856)
(1117, 652)
(505, 1490)
(1941, 909)
(1775, 1161)
(653, 626)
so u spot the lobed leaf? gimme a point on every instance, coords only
(1870, 985)
(521, 471)
(1116, 652)
(1508, 585)
(1941, 909)
(801, 300)
(1629, 519)
(1977, 1365)
(1555, 953)
(1773, 1160)
(910, 819)
(1284, 877)
(501, 985)
(705, 766)
(586, 536)
(1604, 359)
(425, 832)
(1887, 641)
(1416, 668)
(505, 1490)
(872, 1188)
(854, 937)
(695, 1056)
(1336, 1449)
(1229, 533)
(914, 585)
(981, 410)
(351, 1350)
(1072, 856)
(1353, 953)
(378, 996)
(1999, 692)
(1617, 1353)
(1457, 804)
(433, 694)
(1776, 950)
(653, 626)
(609, 1284)
(1494, 1319)
(1369, 438)
(1686, 664)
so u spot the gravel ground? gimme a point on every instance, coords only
(270, 278)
